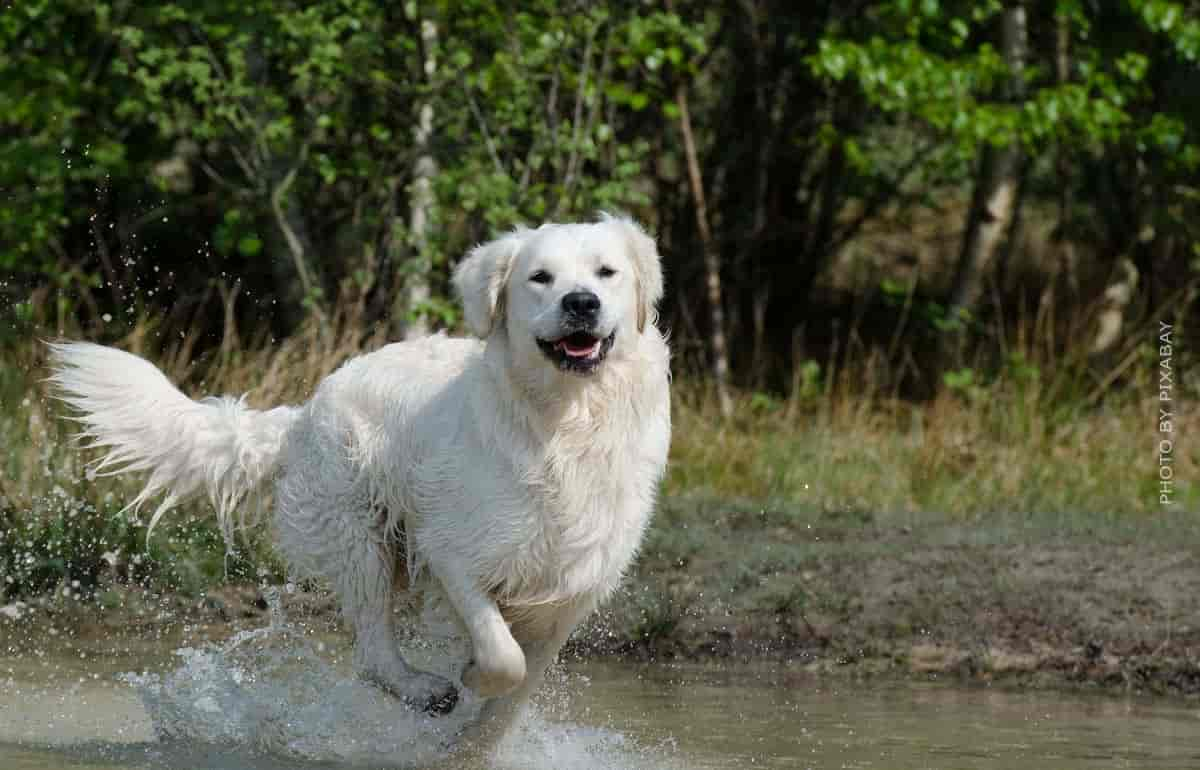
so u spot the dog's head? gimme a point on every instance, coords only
(570, 294)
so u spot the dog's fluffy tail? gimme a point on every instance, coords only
(128, 407)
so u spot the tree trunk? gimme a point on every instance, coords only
(712, 259)
(416, 292)
(1062, 68)
(993, 204)
(1117, 296)
(296, 281)
(297, 278)
(770, 88)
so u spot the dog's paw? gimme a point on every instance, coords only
(438, 699)
(499, 678)
(430, 693)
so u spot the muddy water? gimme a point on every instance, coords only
(273, 702)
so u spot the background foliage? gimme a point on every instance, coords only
(255, 161)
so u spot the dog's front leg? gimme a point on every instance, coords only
(497, 663)
(364, 583)
(542, 634)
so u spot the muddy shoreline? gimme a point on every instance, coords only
(1109, 618)
(1121, 616)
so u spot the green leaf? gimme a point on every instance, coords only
(249, 245)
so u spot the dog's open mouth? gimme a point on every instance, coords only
(579, 352)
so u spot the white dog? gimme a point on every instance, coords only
(519, 471)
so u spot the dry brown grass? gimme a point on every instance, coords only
(958, 455)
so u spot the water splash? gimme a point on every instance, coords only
(277, 692)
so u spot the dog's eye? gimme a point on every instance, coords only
(606, 272)
(541, 276)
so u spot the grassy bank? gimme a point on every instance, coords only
(1005, 527)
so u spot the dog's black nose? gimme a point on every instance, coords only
(581, 304)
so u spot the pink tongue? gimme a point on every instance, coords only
(576, 351)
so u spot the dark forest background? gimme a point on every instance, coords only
(910, 183)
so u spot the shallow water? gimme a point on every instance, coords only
(281, 699)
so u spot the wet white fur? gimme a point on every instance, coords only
(521, 489)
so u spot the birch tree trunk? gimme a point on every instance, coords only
(416, 292)
(993, 205)
(712, 259)
(1117, 295)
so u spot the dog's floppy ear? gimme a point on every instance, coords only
(647, 267)
(480, 279)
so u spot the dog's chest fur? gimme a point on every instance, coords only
(590, 501)
(583, 495)
(538, 506)
(552, 512)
